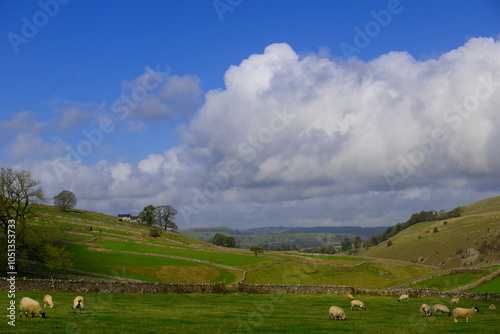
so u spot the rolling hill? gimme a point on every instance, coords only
(100, 246)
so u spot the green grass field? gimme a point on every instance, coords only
(231, 313)
(368, 275)
(448, 282)
(228, 259)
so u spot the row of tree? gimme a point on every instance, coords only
(163, 216)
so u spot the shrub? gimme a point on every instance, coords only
(154, 233)
(389, 243)
(445, 222)
(436, 230)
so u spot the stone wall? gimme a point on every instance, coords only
(444, 273)
(109, 286)
(478, 282)
(342, 290)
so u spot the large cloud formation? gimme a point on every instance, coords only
(318, 141)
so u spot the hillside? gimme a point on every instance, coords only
(471, 239)
(100, 246)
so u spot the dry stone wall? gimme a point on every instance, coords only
(109, 286)
(444, 273)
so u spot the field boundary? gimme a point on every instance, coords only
(478, 282)
(444, 273)
(109, 286)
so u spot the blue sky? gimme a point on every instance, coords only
(366, 86)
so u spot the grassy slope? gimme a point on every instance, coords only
(181, 313)
(368, 275)
(116, 236)
(480, 222)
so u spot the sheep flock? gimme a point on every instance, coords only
(31, 306)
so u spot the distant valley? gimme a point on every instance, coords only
(303, 237)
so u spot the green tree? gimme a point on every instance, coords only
(147, 214)
(165, 215)
(389, 243)
(256, 250)
(224, 241)
(20, 193)
(346, 244)
(65, 200)
(41, 244)
(357, 242)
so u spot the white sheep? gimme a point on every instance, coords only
(426, 309)
(443, 309)
(455, 301)
(78, 303)
(359, 304)
(464, 313)
(337, 313)
(404, 296)
(349, 296)
(31, 306)
(493, 307)
(47, 300)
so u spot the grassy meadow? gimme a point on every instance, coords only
(240, 313)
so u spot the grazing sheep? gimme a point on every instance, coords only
(359, 304)
(47, 300)
(337, 313)
(31, 306)
(426, 309)
(455, 301)
(443, 309)
(464, 313)
(78, 303)
(403, 297)
(349, 296)
(493, 307)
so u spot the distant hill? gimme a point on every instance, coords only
(303, 237)
(354, 230)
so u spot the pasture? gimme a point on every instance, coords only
(234, 313)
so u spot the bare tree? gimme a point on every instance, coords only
(19, 193)
(165, 215)
(65, 200)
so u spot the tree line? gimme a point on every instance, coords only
(162, 216)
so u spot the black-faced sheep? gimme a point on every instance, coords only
(78, 303)
(464, 313)
(441, 308)
(455, 301)
(359, 304)
(31, 306)
(349, 296)
(493, 307)
(47, 300)
(404, 296)
(426, 310)
(337, 313)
